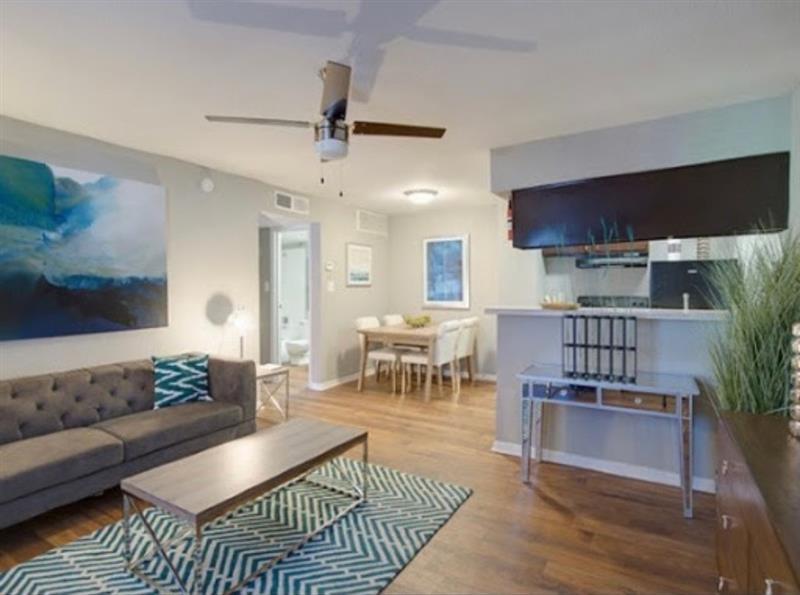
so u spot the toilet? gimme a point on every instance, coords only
(297, 350)
(295, 346)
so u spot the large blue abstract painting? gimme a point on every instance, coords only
(80, 252)
(446, 272)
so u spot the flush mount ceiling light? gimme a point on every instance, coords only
(421, 196)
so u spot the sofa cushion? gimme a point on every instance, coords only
(148, 431)
(36, 463)
(9, 425)
(180, 379)
(39, 405)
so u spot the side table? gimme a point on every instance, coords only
(270, 378)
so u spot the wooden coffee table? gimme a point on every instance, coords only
(202, 487)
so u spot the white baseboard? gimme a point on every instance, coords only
(478, 376)
(328, 384)
(671, 478)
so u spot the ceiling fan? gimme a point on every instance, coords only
(331, 133)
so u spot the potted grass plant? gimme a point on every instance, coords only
(752, 354)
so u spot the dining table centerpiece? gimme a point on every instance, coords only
(417, 321)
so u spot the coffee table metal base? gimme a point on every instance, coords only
(195, 587)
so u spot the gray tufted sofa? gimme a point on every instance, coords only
(68, 435)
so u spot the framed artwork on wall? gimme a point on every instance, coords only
(359, 265)
(445, 265)
(80, 252)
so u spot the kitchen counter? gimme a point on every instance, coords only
(642, 313)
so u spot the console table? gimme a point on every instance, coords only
(668, 396)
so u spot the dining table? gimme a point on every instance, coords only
(396, 335)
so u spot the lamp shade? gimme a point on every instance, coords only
(240, 320)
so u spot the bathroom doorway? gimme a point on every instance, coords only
(286, 295)
(292, 291)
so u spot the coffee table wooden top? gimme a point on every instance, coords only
(205, 485)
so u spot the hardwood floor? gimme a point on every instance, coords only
(571, 531)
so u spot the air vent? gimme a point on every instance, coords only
(369, 222)
(292, 203)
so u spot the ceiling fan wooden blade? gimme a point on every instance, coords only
(259, 121)
(386, 129)
(335, 90)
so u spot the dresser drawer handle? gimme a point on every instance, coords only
(723, 468)
(727, 521)
(725, 585)
(774, 587)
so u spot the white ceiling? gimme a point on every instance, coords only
(143, 73)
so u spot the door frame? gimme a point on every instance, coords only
(275, 284)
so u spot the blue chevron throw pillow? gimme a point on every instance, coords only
(180, 379)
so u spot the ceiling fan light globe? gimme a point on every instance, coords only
(330, 139)
(331, 149)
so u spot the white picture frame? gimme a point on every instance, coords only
(445, 272)
(359, 265)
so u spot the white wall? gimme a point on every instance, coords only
(406, 233)
(212, 257)
(340, 307)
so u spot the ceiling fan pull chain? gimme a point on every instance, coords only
(341, 179)
(321, 174)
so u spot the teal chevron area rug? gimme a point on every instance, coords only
(361, 553)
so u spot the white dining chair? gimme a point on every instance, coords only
(465, 349)
(378, 355)
(444, 353)
(393, 320)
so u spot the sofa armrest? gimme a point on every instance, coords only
(233, 381)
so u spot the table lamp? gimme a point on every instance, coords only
(240, 320)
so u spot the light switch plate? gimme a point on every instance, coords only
(329, 266)
(331, 286)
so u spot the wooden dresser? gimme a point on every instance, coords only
(758, 505)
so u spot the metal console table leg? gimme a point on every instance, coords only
(527, 418)
(532, 413)
(685, 451)
(537, 429)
